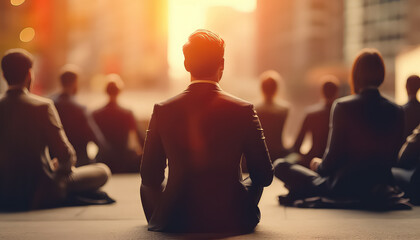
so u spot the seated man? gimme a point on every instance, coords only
(412, 107)
(120, 131)
(29, 129)
(407, 170)
(77, 124)
(317, 123)
(202, 133)
(365, 136)
(272, 115)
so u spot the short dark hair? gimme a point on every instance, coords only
(15, 65)
(269, 82)
(69, 75)
(203, 53)
(368, 70)
(114, 85)
(330, 86)
(413, 84)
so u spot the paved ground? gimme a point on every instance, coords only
(125, 220)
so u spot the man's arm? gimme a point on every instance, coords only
(58, 144)
(335, 143)
(92, 131)
(255, 151)
(152, 169)
(301, 135)
(409, 156)
(153, 164)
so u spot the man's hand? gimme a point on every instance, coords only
(315, 162)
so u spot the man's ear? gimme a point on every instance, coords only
(28, 79)
(187, 66)
(222, 64)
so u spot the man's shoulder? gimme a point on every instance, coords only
(315, 109)
(38, 101)
(220, 97)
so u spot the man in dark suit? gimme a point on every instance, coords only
(202, 133)
(78, 125)
(412, 107)
(272, 115)
(365, 137)
(317, 123)
(30, 129)
(407, 170)
(119, 128)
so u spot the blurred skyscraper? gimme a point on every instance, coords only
(388, 25)
(296, 36)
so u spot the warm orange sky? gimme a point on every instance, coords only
(185, 16)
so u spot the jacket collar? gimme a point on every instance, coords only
(17, 91)
(204, 85)
(370, 92)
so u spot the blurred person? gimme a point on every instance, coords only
(202, 133)
(29, 125)
(119, 128)
(272, 115)
(407, 170)
(316, 122)
(365, 137)
(412, 107)
(77, 123)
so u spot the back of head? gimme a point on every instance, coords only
(368, 70)
(269, 83)
(203, 53)
(69, 75)
(413, 85)
(330, 87)
(15, 65)
(114, 85)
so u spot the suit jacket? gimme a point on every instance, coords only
(273, 117)
(203, 133)
(412, 116)
(410, 152)
(316, 122)
(115, 122)
(29, 125)
(365, 137)
(78, 126)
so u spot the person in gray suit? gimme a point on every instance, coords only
(30, 129)
(202, 134)
(366, 131)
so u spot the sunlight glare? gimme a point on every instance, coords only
(186, 16)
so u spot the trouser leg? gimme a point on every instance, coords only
(149, 199)
(254, 191)
(403, 179)
(298, 179)
(88, 178)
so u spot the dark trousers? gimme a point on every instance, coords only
(408, 181)
(300, 181)
(150, 197)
